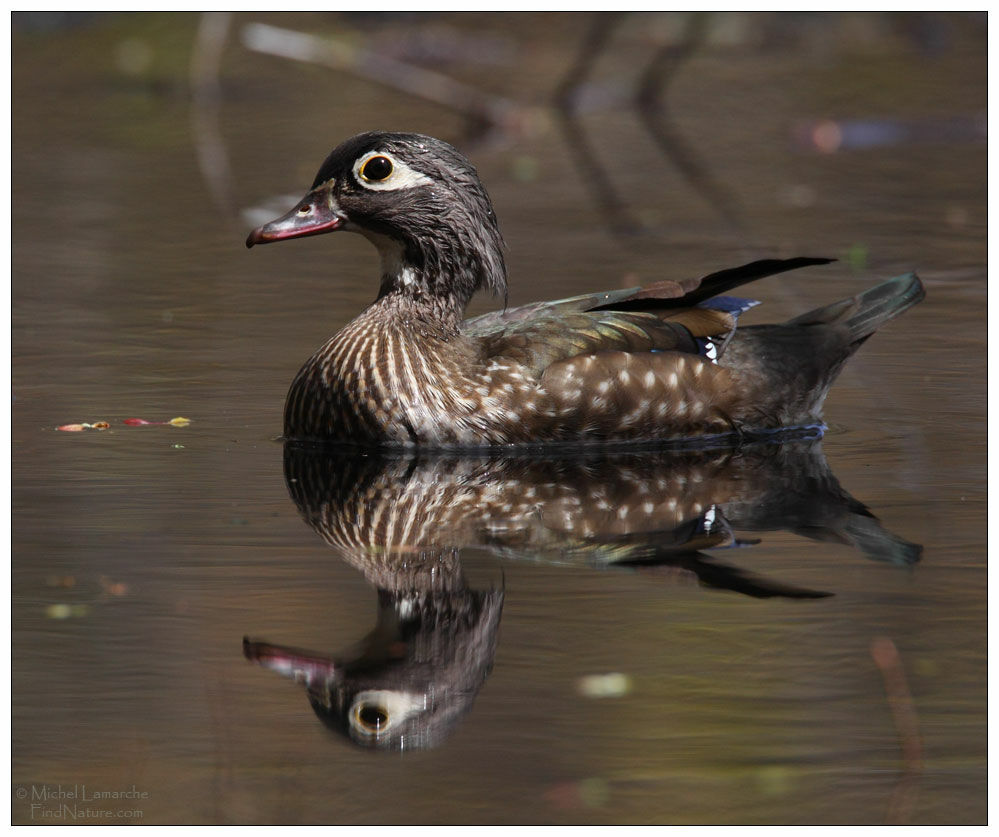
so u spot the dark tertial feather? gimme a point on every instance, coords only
(672, 294)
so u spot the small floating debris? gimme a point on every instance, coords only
(179, 421)
(77, 428)
(592, 792)
(113, 588)
(828, 136)
(66, 611)
(611, 685)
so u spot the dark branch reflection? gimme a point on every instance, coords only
(401, 520)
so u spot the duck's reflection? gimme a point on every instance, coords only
(401, 521)
(412, 677)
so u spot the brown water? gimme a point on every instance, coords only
(141, 556)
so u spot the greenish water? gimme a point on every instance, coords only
(141, 556)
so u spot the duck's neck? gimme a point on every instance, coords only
(412, 295)
(434, 280)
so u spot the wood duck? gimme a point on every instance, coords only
(642, 364)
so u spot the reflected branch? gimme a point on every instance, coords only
(566, 103)
(651, 102)
(206, 93)
(482, 108)
(903, 710)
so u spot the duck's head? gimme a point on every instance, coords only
(418, 200)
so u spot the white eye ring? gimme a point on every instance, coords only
(401, 176)
(392, 707)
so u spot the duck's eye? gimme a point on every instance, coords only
(376, 169)
(371, 717)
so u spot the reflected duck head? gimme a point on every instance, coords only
(412, 678)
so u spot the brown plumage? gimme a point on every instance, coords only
(655, 363)
(403, 519)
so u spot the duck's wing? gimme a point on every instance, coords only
(509, 320)
(546, 340)
(657, 296)
(685, 316)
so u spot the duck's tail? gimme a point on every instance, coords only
(864, 313)
(795, 363)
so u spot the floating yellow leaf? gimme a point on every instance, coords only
(609, 685)
(66, 611)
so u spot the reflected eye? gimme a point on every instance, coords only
(371, 716)
(376, 169)
(377, 714)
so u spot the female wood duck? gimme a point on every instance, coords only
(644, 364)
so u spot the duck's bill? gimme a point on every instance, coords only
(312, 216)
(308, 667)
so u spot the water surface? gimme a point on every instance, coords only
(141, 556)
